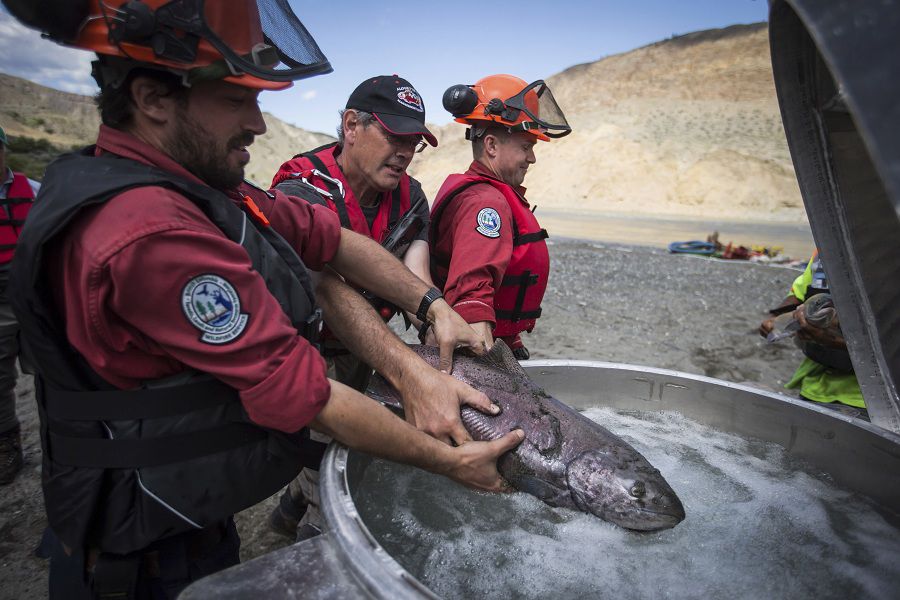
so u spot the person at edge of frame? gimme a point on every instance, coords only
(168, 314)
(826, 375)
(17, 194)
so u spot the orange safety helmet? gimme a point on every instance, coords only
(508, 100)
(257, 44)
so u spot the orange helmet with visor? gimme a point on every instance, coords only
(254, 43)
(508, 100)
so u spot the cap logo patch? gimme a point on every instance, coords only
(488, 223)
(409, 97)
(212, 305)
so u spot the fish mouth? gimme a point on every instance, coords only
(651, 520)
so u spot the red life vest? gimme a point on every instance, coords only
(517, 304)
(393, 204)
(13, 210)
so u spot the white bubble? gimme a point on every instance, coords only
(760, 524)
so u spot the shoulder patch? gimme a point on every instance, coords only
(488, 223)
(212, 305)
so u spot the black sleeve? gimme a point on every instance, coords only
(298, 189)
(415, 193)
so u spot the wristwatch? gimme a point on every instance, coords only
(427, 300)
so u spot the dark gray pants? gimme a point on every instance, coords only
(9, 349)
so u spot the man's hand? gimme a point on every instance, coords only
(788, 303)
(431, 403)
(362, 424)
(475, 464)
(451, 332)
(766, 327)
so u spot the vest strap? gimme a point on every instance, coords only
(523, 281)
(336, 196)
(395, 208)
(530, 238)
(114, 405)
(139, 453)
(512, 315)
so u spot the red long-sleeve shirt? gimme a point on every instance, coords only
(120, 270)
(477, 262)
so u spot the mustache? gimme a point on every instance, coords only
(241, 140)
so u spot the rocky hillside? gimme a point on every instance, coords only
(33, 111)
(687, 127)
(684, 127)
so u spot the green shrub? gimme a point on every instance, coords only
(32, 155)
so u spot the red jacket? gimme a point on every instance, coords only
(120, 269)
(13, 210)
(488, 252)
(393, 204)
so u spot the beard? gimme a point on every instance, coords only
(198, 151)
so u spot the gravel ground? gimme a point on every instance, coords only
(626, 304)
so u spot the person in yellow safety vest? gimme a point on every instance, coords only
(826, 373)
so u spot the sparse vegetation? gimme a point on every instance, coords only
(31, 156)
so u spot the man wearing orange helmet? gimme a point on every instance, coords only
(168, 312)
(487, 249)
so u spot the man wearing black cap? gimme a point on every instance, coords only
(362, 177)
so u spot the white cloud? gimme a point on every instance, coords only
(24, 53)
(309, 95)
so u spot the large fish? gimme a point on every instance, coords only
(566, 459)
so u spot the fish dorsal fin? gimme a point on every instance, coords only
(501, 357)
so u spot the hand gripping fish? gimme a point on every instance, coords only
(566, 459)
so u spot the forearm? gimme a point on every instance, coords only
(366, 425)
(353, 320)
(368, 265)
(417, 260)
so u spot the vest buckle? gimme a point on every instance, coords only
(312, 329)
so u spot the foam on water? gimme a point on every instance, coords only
(760, 524)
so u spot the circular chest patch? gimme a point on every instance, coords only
(212, 305)
(488, 223)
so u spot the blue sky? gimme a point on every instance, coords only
(432, 44)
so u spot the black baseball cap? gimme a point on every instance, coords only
(395, 103)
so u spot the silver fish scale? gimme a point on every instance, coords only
(566, 459)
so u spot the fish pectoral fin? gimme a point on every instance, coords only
(544, 490)
(379, 389)
(501, 357)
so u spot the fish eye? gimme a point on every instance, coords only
(638, 490)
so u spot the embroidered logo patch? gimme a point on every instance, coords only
(409, 97)
(212, 305)
(488, 223)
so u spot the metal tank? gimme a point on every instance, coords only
(836, 67)
(347, 562)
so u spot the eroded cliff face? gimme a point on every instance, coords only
(689, 126)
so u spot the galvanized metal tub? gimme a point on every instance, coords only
(348, 562)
